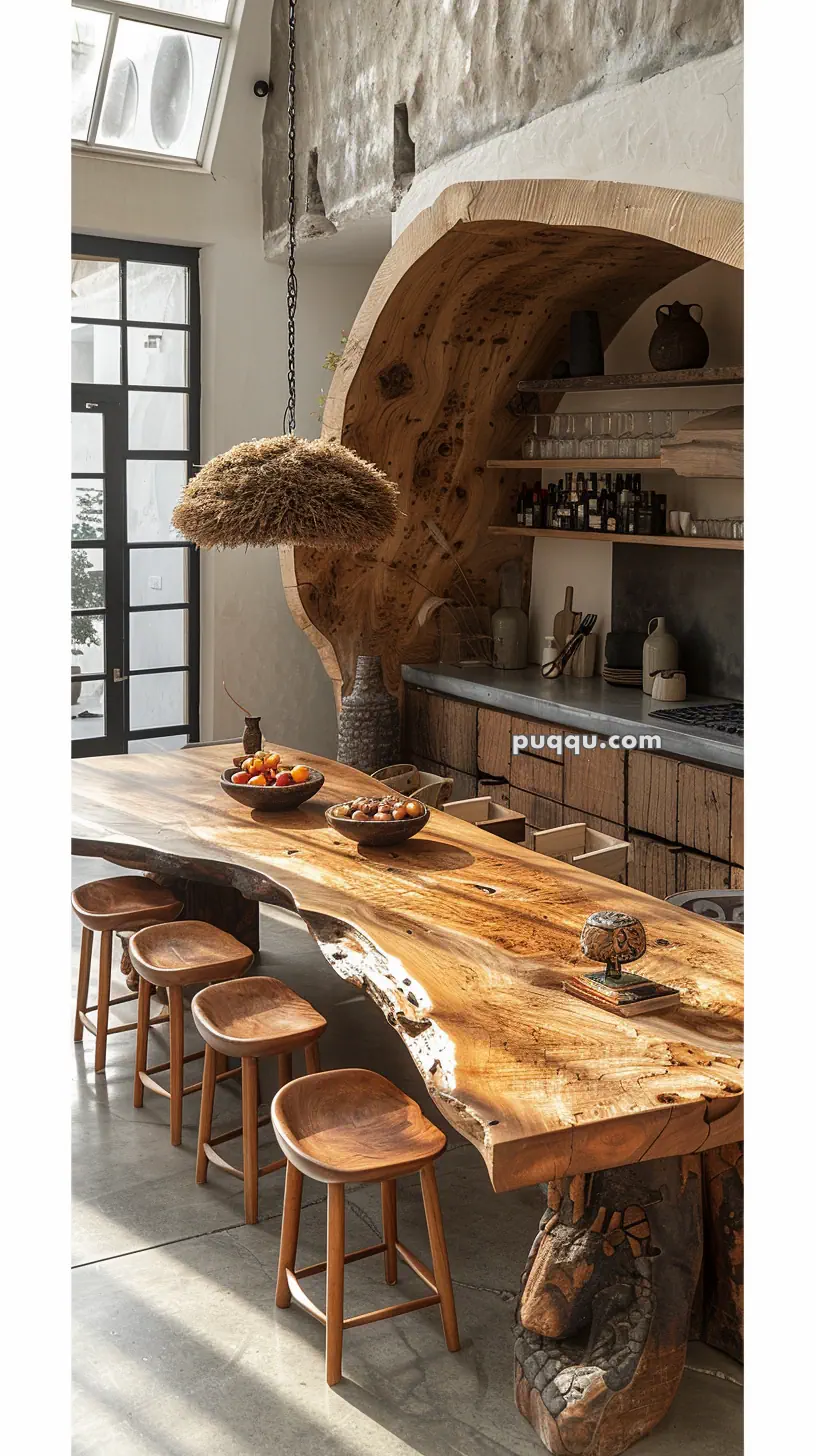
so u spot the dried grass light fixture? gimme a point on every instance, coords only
(282, 490)
(288, 491)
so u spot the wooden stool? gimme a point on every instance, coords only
(353, 1126)
(188, 953)
(124, 902)
(252, 1018)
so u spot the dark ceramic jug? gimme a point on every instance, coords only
(252, 739)
(679, 341)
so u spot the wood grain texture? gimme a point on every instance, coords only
(540, 813)
(708, 447)
(651, 794)
(476, 293)
(603, 1315)
(704, 810)
(494, 743)
(652, 866)
(463, 940)
(594, 781)
(737, 855)
(700, 872)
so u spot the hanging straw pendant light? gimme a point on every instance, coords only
(283, 490)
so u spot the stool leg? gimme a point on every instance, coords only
(85, 953)
(336, 1248)
(176, 1000)
(103, 999)
(388, 1195)
(142, 1033)
(287, 1256)
(205, 1121)
(312, 1058)
(439, 1255)
(249, 1120)
(284, 1068)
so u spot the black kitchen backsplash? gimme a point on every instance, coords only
(699, 592)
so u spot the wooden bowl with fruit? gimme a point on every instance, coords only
(263, 782)
(374, 822)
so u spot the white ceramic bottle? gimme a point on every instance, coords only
(660, 651)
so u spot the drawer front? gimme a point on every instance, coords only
(652, 866)
(440, 729)
(540, 813)
(494, 743)
(538, 773)
(699, 872)
(737, 855)
(651, 794)
(594, 781)
(704, 811)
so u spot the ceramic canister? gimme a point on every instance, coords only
(660, 651)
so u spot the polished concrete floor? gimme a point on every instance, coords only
(178, 1347)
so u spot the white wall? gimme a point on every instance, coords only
(680, 129)
(248, 636)
(588, 566)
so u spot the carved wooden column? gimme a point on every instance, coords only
(603, 1315)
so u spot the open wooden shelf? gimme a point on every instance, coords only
(709, 543)
(574, 463)
(652, 379)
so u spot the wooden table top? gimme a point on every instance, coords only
(463, 940)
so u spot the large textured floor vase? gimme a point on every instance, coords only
(368, 730)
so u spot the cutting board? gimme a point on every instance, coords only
(566, 621)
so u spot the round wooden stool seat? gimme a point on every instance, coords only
(352, 1126)
(255, 1017)
(124, 902)
(187, 953)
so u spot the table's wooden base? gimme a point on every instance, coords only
(606, 1297)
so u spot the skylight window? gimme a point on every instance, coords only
(145, 85)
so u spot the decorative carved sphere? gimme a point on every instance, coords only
(614, 938)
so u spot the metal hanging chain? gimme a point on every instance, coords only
(291, 285)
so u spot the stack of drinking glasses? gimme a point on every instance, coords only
(730, 528)
(605, 435)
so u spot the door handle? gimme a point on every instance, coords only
(119, 675)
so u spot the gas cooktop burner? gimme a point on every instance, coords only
(722, 717)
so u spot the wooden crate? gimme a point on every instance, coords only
(586, 848)
(485, 814)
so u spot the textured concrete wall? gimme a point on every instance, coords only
(468, 70)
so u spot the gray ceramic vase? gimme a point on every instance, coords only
(368, 729)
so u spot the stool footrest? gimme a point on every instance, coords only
(388, 1311)
(126, 1026)
(215, 1158)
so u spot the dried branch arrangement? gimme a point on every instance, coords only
(287, 491)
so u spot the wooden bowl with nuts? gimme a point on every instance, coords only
(378, 822)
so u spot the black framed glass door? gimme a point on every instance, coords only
(135, 422)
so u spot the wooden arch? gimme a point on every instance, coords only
(475, 294)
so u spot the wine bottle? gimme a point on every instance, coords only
(520, 509)
(538, 513)
(528, 508)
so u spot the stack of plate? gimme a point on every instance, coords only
(623, 677)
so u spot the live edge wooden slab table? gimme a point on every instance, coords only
(463, 941)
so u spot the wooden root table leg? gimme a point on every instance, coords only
(219, 905)
(722, 1263)
(602, 1319)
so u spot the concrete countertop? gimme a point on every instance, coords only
(587, 704)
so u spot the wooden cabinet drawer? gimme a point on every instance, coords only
(441, 729)
(737, 877)
(704, 811)
(652, 866)
(540, 813)
(737, 855)
(494, 743)
(594, 781)
(537, 771)
(651, 794)
(699, 872)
